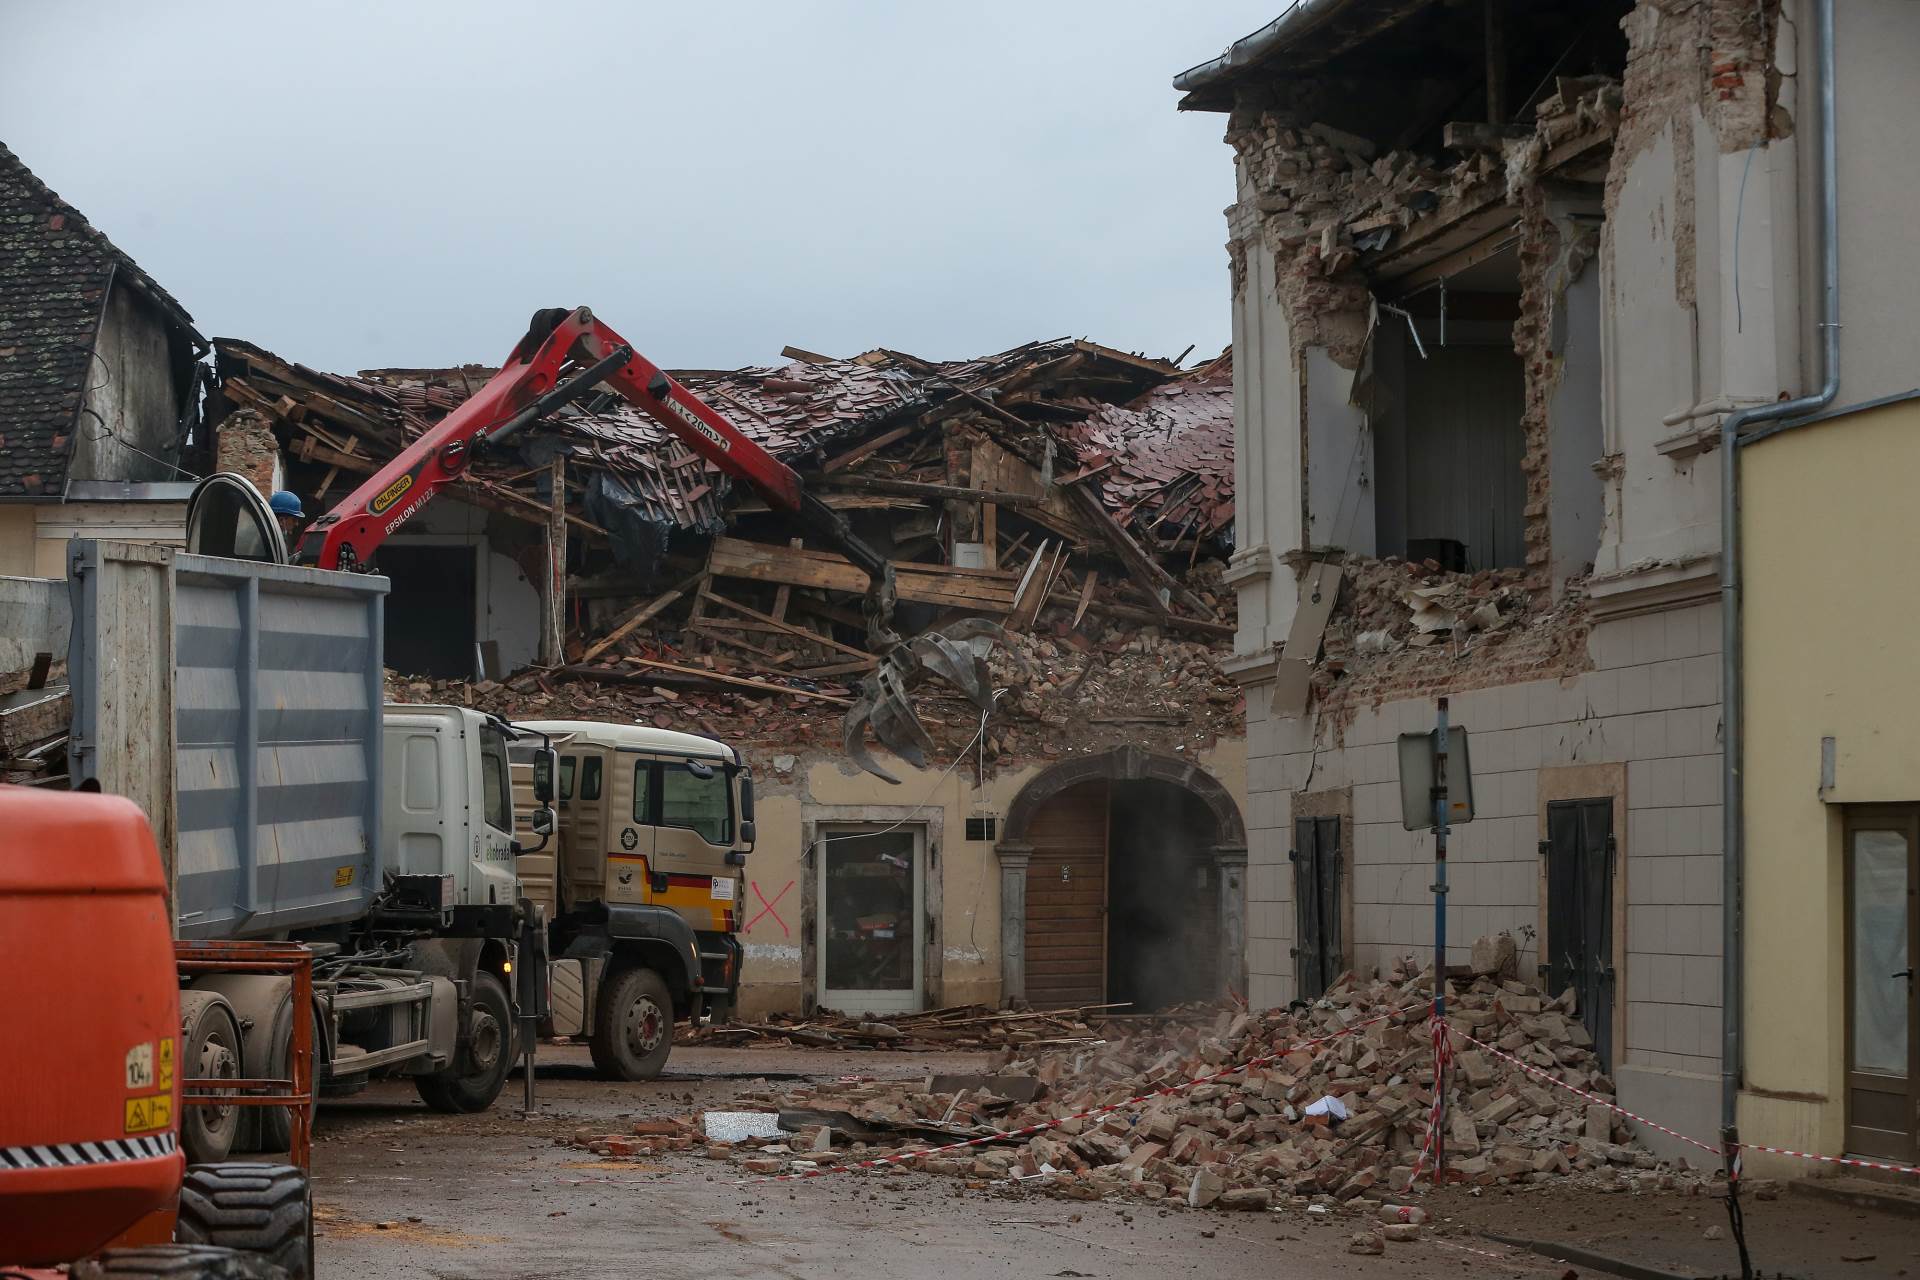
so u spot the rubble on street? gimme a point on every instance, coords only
(967, 1026)
(1262, 1127)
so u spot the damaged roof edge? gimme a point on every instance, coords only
(1301, 17)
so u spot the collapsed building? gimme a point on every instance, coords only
(1069, 849)
(1500, 275)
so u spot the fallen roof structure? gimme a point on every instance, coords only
(1074, 493)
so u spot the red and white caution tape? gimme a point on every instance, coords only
(1442, 1059)
(901, 1157)
(1608, 1103)
(1851, 1161)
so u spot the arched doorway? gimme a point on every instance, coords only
(1122, 879)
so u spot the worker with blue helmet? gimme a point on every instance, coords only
(287, 510)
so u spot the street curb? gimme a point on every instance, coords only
(1588, 1258)
(1859, 1193)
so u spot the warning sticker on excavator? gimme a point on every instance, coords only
(147, 1114)
(342, 877)
(163, 1074)
(140, 1066)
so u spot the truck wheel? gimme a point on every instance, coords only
(633, 1030)
(480, 1066)
(276, 1123)
(177, 1262)
(263, 1209)
(211, 1050)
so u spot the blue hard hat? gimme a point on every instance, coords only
(283, 503)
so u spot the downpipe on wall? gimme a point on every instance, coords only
(1781, 413)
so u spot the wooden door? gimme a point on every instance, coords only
(1319, 950)
(1883, 933)
(1067, 899)
(1579, 943)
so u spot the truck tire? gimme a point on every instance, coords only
(177, 1262)
(210, 1049)
(633, 1028)
(264, 1209)
(483, 1058)
(276, 1123)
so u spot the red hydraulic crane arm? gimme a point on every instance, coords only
(564, 355)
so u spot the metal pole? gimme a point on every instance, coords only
(1440, 932)
(532, 977)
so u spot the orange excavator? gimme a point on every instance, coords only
(92, 1176)
(567, 354)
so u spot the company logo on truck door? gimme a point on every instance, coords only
(700, 424)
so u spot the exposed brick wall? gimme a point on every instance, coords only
(1552, 255)
(244, 442)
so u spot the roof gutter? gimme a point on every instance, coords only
(1297, 21)
(1786, 414)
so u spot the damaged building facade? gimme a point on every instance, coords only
(100, 386)
(1500, 273)
(1067, 851)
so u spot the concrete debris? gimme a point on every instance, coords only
(1109, 686)
(1407, 629)
(1249, 1140)
(737, 1126)
(956, 1027)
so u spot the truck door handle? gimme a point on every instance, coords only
(1904, 973)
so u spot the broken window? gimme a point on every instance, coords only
(1445, 395)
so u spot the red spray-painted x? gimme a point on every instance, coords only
(767, 908)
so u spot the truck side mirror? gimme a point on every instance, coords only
(543, 770)
(746, 810)
(541, 820)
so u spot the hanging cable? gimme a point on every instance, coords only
(928, 799)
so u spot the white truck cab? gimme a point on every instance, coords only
(448, 810)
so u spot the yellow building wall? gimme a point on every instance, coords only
(16, 540)
(968, 871)
(1830, 616)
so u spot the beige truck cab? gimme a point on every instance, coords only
(642, 886)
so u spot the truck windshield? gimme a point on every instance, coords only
(493, 780)
(702, 804)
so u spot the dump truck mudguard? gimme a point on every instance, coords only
(658, 930)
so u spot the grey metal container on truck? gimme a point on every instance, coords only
(239, 703)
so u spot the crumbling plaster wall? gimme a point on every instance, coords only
(1268, 450)
(1700, 261)
(795, 793)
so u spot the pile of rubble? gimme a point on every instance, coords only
(34, 710)
(1338, 195)
(968, 1026)
(1393, 604)
(1326, 1104)
(1406, 629)
(1116, 686)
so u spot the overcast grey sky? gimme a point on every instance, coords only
(357, 185)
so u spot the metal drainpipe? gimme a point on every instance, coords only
(1733, 827)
